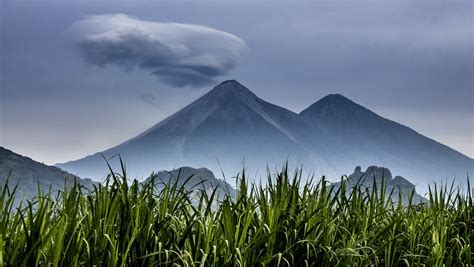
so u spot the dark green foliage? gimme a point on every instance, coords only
(288, 222)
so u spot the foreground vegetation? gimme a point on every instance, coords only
(287, 222)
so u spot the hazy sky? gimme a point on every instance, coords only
(77, 77)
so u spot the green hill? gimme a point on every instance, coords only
(28, 174)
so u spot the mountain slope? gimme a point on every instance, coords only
(28, 173)
(221, 129)
(230, 124)
(358, 136)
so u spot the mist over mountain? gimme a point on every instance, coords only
(230, 127)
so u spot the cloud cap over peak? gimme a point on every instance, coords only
(178, 54)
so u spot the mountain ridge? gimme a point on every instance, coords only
(232, 106)
(28, 174)
(230, 123)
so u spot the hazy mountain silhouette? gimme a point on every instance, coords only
(192, 179)
(230, 123)
(219, 130)
(29, 174)
(358, 136)
(396, 186)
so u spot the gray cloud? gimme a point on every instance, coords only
(178, 54)
(149, 99)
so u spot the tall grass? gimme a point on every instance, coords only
(287, 222)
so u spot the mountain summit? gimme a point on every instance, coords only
(336, 106)
(358, 135)
(231, 89)
(226, 129)
(230, 127)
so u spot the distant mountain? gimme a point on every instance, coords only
(230, 127)
(28, 174)
(397, 186)
(350, 134)
(219, 130)
(193, 180)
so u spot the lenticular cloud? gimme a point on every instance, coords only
(178, 54)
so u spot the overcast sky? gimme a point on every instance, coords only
(78, 77)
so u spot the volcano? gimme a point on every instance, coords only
(230, 128)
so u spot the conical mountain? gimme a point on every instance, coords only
(230, 127)
(226, 129)
(358, 136)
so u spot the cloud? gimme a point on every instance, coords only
(149, 99)
(178, 54)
